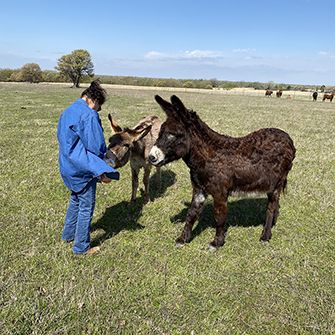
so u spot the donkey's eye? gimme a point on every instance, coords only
(127, 145)
(171, 137)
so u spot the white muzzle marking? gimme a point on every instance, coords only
(158, 154)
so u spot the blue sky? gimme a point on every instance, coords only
(285, 41)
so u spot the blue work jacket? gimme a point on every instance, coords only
(82, 146)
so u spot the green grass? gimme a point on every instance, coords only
(141, 283)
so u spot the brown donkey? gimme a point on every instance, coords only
(328, 96)
(219, 165)
(279, 93)
(134, 144)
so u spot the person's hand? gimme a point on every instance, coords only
(105, 179)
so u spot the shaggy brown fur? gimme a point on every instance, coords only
(328, 96)
(279, 93)
(268, 93)
(219, 164)
(134, 144)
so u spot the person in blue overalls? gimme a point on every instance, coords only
(82, 150)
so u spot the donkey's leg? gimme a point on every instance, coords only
(220, 214)
(198, 200)
(134, 182)
(147, 169)
(275, 214)
(271, 215)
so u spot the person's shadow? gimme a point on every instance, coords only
(125, 216)
(248, 212)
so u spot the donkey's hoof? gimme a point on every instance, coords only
(265, 238)
(180, 245)
(211, 247)
(180, 242)
(217, 243)
(264, 241)
(146, 200)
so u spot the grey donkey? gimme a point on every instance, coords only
(134, 145)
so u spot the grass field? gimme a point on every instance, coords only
(141, 283)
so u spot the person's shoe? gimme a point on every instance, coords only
(67, 241)
(92, 251)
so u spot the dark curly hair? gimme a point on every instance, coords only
(95, 92)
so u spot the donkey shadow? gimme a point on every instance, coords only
(248, 212)
(168, 178)
(125, 216)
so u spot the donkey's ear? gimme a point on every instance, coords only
(165, 105)
(138, 133)
(177, 104)
(161, 101)
(114, 125)
(180, 109)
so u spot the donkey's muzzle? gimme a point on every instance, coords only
(153, 159)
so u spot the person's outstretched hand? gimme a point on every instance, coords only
(105, 179)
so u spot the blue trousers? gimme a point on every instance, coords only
(79, 216)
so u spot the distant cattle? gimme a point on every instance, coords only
(329, 96)
(268, 93)
(279, 93)
(315, 96)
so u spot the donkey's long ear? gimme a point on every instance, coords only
(181, 110)
(165, 105)
(177, 104)
(114, 125)
(138, 133)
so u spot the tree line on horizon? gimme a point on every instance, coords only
(77, 67)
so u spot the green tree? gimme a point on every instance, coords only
(75, 66)
(16, 75)
(214, 82)
(5, 74)
(31, 72)
(188, 84)
(51, 76)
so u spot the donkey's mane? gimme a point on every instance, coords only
(257, 162)
(201, 129)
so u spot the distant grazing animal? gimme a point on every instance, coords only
(220, 164)
(328, 96)
(134, 144)
(268, 93)
(279, 93)
(315, 96)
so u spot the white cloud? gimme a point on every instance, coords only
(241, 64)
(16, 60)
(246, 50)
(185, 55)
(203, 54)
(155, 55)
(327, 54)
(323, 53)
